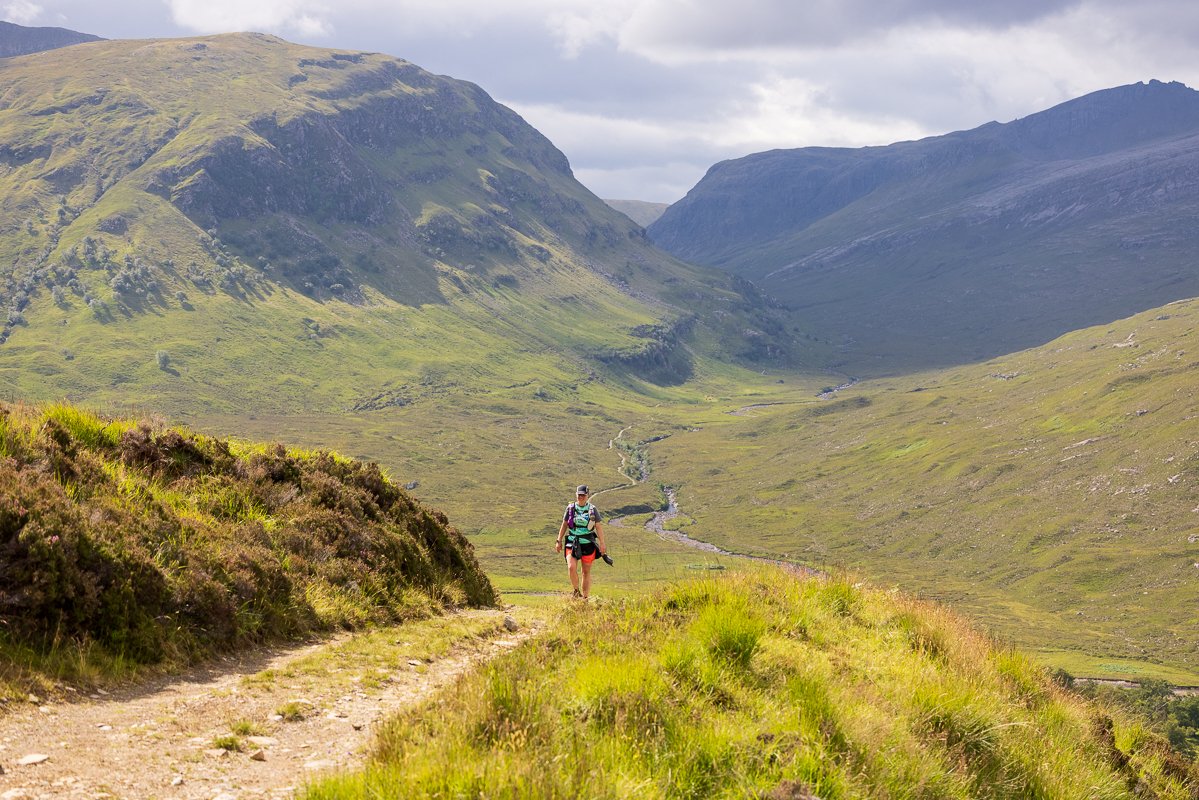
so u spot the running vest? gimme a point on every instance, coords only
(578, 520)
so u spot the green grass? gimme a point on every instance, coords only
(245, 727)
(761, 685)
(293, 711)
(227, 741)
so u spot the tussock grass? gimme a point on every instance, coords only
(762, 685)
(126, 544)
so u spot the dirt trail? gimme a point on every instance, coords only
(157, 739)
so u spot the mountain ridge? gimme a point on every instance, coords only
(19, 40)
(921, 237)
(337, 200)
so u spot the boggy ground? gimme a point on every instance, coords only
(162, 739)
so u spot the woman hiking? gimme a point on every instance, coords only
(584, 539)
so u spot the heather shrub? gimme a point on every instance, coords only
(155, 542)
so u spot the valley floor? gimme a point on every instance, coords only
(217, 731)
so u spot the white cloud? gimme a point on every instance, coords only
(576, 28)
(303, 17)
(22, 12)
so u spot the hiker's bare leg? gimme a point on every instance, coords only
(586, 579)
(573, 566)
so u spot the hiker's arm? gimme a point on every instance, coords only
(599, 529)
(561, 533)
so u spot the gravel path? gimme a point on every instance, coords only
(157, 740)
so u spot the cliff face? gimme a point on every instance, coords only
(966, 245)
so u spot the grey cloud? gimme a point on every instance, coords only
(756, 24)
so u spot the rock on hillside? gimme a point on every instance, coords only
(967, 245)
(19, 40)
(332, 213)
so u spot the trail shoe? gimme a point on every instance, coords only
(607, 559)
(577, 593)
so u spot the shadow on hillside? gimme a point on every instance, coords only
(326, 265)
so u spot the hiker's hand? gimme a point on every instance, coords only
(558, 547)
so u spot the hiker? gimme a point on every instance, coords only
(580, 531)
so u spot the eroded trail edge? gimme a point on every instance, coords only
(161, 739)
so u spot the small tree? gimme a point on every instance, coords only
(163, 358)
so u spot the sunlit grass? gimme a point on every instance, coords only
(761, 685)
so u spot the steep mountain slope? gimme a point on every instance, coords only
(969, 245)
(238, 222)
(1051, 493)
(642, 212)
(19, 40)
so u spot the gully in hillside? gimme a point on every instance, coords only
(583, 536)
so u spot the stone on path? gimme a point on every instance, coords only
(33, 758)
(511, 625)
(258, 755)
(412, 662)
(320, 764)
(177, 780)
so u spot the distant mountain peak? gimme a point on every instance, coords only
(967, 245)
(19, 40)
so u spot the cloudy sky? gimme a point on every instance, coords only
(644, 95)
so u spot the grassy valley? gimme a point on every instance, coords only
(348, 253)
(1047, 494)
(1051, 493)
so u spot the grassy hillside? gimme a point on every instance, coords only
(129, 543)
(772, 687)
(296, 229)
(1050, 493)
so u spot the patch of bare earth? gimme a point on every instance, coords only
(159, 740)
